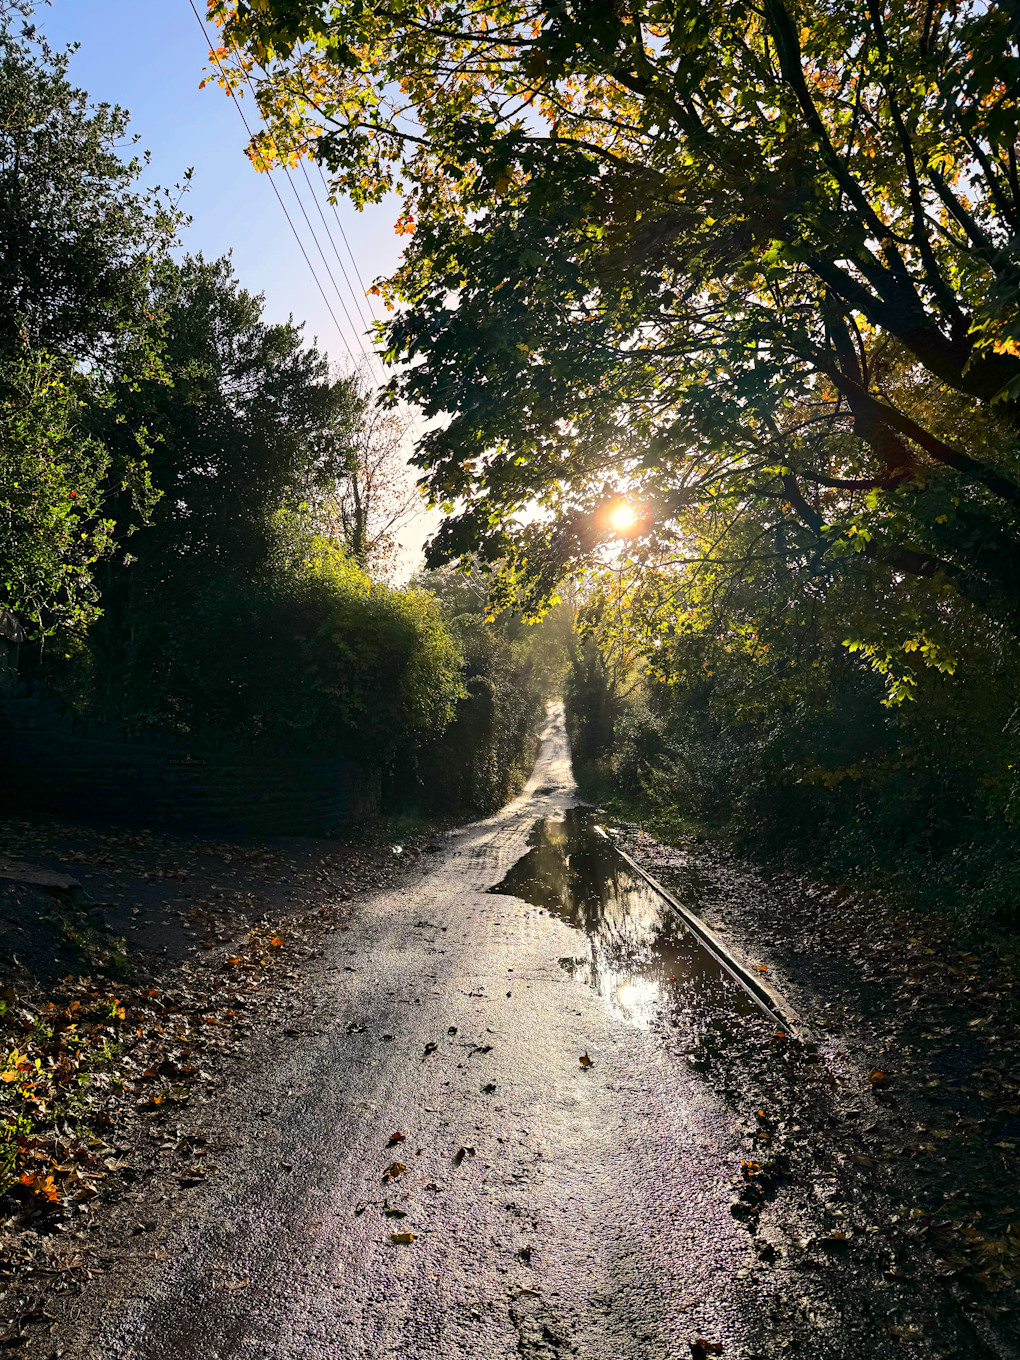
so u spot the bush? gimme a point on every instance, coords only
(798, 761)
(309, 657)
(484, 757)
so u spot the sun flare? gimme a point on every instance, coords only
(622, 517)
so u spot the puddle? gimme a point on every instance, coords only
(632, 948)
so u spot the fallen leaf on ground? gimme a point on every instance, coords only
(701, 1347)
(397, 1138)
(584, 1060)
(41, 1185)
(394, 1170)
(401, 1239)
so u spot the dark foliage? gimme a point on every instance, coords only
(484, 756)
(800, 760)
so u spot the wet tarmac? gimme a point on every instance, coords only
(483, 1150)
(640, 958)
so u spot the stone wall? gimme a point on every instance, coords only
(51, 762)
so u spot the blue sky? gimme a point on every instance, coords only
(149, 56)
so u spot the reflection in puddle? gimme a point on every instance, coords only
(633, 951)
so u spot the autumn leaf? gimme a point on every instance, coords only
(394, 1170)
(585, 1061)
(42, 1185)
(16, 1062)
(80, 1186)
(397, 1138)
(401, 1239)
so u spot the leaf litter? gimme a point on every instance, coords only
(888, 1148)
(113, 1043)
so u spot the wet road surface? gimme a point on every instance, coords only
(644, 965)
(553, 1209)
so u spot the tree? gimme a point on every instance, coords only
(709, 254)
(52, 491)
(243, 419)
(79, 248)
(364, 495)
(79, 243)
(487, 753)
(234, 622)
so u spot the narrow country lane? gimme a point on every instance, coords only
(556, 1209)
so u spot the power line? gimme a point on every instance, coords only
(325, 262)
(350, 252)
(414, 415)
(412, 412)
(311, 230)
(279, 196)
(350, 287)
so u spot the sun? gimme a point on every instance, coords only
(622, 517)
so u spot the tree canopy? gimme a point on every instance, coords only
(748, 258)
(79, 240)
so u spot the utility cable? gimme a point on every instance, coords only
(325, 263)
(350, 252)
(276, 191)
(311, 230)
(415, 417)
(358, 303)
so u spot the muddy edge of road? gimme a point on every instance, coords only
(905, 1115)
